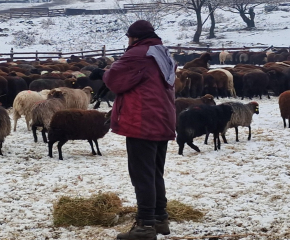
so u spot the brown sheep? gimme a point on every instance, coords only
(183, 103)
(231, 88)
(5, 126)
(284, 100)
(202, 61)
(222, 82)
(195, 82)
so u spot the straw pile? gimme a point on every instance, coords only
(101, 209)
(180, 212)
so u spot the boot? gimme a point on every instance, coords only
(161, 224)
(141, 230)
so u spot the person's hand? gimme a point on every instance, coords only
(97, 74)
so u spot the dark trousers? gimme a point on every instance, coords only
(146, 160)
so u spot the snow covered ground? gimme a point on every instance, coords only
(242, 188)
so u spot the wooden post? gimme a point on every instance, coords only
(104, 51)
(11, 54)
(36, 55)
(208, 49)
(179, 48)
(82, 53)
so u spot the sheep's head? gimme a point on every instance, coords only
(256, 107)
(208, 99)
(55, 93)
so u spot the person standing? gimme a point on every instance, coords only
(144, 111)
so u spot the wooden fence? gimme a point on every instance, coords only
(46, 12)
(32, 12)
(116, 52)
(55, 55)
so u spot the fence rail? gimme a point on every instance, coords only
(115, 52)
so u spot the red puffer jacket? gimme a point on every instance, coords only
(144, 105)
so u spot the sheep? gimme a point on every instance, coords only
(255, 82)
(183, 103)
(202, 61)
(77, 124)
(231, 88)
(76, 98)
(195, 84)
(284, 100)
(5, 126)
(199, 120)
(43, 111)
(15, 86)
(50, 83)
(23, 104)
(3, 91)
(222, 56)
(242, 116)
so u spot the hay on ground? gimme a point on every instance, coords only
(101, 209)
(180, 212)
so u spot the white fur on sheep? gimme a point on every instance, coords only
(222, 56)
(76, 98)
(231, 87)
(24, 102)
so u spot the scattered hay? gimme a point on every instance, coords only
(101, 209)
(106, 209)
(180, 212)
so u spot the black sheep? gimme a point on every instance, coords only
(204, 119)
(97, 74)
(15, 86)
(41, 84)
(255, 83)
(77, 124)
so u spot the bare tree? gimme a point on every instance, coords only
(246, 9)
(152, 12)
(196, 6)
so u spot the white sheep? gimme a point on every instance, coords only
(77, 98)
(23, 104)
(223, 56)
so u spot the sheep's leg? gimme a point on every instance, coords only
(43, 135)
(288, 123)
(50, 145)
(206, 138)
(27, 118)
(250, 134)
(1, 149)
(33, 128)
(91, 144)
(219, 141)
(16, 116)
(224, 138)
(97, 146)
(193, 146)
(237, 134)
(215, 137)
(59, 145)
(180, 144)
(284, 121)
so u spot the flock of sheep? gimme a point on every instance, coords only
(55, 95)
(199, 116)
